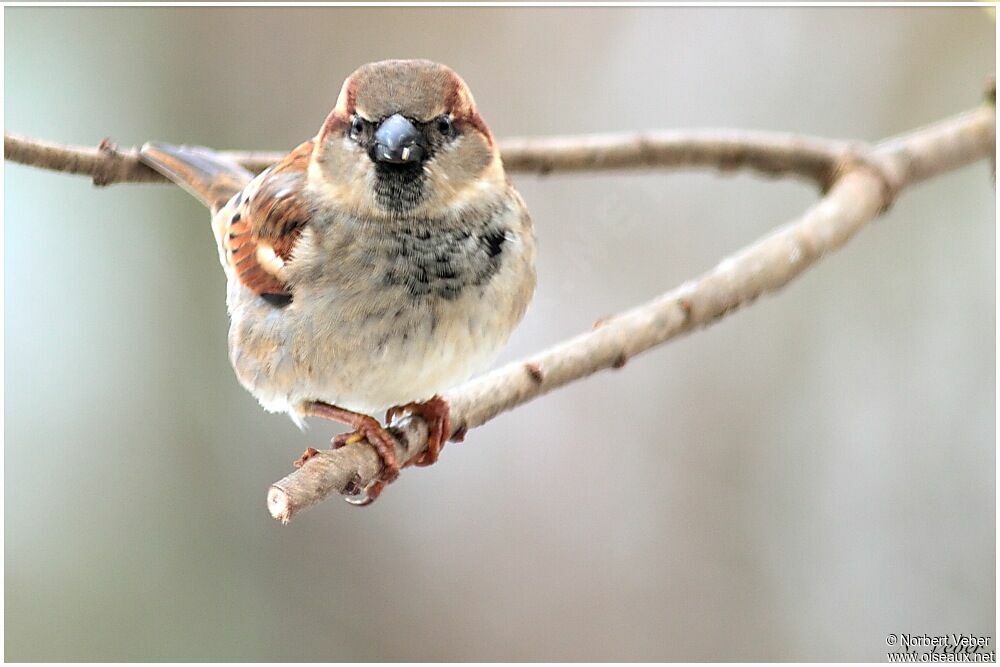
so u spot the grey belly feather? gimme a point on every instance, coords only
(385, 314)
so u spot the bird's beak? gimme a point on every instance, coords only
(397, 141)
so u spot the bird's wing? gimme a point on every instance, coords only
(257, 224)
(210, 177)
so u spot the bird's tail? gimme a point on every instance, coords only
(207, 175)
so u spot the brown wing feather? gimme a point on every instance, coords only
(257, 221)
(204, 173)
(261, 233)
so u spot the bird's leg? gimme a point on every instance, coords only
(369, 429)
(436, 413)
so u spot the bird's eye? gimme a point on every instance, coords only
(357, 127)
(445, 125)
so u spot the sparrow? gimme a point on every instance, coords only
(378, 264)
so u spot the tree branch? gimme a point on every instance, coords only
(863, 185)
(860, 182)
(769, 153)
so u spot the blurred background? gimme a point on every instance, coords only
(795, 482)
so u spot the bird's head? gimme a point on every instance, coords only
(405, 139)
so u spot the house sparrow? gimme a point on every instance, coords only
(375, 266)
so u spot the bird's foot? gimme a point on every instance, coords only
(436, 413)
(365, 428)
(306, 455)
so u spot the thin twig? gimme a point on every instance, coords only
(769, 153)
(865, 185)
(860, 184)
